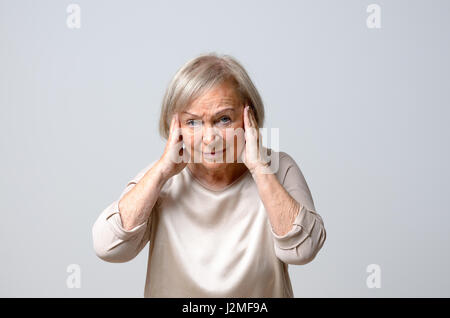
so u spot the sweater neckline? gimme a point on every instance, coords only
(232, 184)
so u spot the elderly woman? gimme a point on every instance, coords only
(225, 225)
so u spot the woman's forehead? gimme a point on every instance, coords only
(212, 106)
(212, 111)
(219, 96)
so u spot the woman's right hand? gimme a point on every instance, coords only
(174, 158)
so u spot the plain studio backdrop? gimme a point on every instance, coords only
(363, 111)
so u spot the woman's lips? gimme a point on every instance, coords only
(213, 153)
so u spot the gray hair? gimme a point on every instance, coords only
(201, 74)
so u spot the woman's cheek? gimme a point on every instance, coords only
(190, 143)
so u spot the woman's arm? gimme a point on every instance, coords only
(298, 230)
(136, 205)
(122, 229)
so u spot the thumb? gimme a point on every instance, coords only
(242, 156)
(185, 155)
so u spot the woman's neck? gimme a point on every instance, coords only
(220, 177)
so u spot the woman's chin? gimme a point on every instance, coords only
(213, 162)
(217, 160)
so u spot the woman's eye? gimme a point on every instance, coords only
(225, 120)
(192, 122)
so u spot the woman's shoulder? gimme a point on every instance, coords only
(281, 162)
(144, 170)
(280, 159)
(286, 160)
(291, 177)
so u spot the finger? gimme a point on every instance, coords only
(246, 120)
(186, 156)
(253, 119)
(249, 117)
(242, 157)
(175, 131)
(178, 126)
(252, 122)
(172, 121)
(254, 125)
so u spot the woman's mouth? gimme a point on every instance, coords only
(213, 153)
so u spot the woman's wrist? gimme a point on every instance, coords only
(160, 174)
(261, 168)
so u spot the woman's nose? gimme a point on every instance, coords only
(209, 134)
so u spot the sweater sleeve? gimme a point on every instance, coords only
(112, 243)
(302, 243)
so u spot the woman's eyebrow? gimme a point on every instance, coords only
(216, 114)
(224, 110)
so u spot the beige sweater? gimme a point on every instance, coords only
(206, 243)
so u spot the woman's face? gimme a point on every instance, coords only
(213, 127)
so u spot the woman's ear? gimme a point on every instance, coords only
(243, 114)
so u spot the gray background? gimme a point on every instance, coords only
(364, 112)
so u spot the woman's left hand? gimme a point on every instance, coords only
(251, 155)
